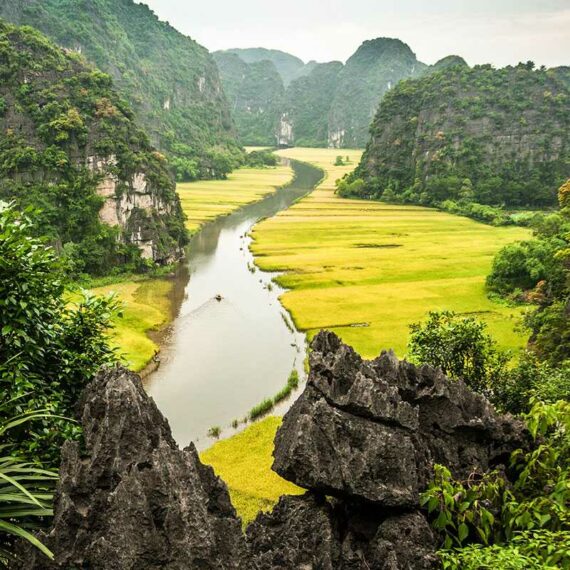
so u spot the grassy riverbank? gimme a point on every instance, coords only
(365, 270)
(147, 305)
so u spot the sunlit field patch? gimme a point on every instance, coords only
(146, 307)
(368, 270)
(205, 200)
(244, 463)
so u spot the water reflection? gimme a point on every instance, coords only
(229, 346)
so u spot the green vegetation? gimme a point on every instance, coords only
(261, 409)
(538, 271)
(49, 347)
(525, 514)
(442, 141)
(26, 492)
(169, 80)
(461, 348)
(255, 92)
(244, 463)
(67, 135)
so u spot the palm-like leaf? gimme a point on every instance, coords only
(26, 493)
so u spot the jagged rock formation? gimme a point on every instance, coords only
(71, 147)
(493, 136)
(170, 81)
(362, 439)
(133, 500)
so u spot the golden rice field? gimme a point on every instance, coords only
(146, 303)
(205, 200)
(365, 270)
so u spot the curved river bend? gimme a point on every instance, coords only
(222, 357)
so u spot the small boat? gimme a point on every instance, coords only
(218, 297)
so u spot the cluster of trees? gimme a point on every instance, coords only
(169, 80)
(515, 518)
(60, 116)
(449, 140)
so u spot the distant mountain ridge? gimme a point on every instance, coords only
(170, 81)
(323, 104)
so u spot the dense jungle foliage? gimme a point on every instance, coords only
(60, 118)
(516, 517)
(170, 81)
(469, 141)
(49, 349)
(255, 92)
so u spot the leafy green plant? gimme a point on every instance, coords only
(49, 347)
(26, 491)
(461, 347)
(493, 509)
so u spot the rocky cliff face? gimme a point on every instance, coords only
(255, 92)
(361, 439)
(72, 149)
(170, 81)
(488, 135)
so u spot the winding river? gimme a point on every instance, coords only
(231, 344)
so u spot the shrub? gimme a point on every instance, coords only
(461, 347)
(49, 348)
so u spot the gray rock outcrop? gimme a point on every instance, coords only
(362, 439)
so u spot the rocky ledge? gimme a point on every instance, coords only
(362, 439)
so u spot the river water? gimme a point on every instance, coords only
(220, 358)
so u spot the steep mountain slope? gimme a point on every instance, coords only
(374, 69)
(70, 147)
(487, 135)
(288, 66)
(255, 92)
(170, 81)
(307, 104)
(324, 104)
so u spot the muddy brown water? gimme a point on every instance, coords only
(231, 344)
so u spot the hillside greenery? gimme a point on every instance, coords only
(288, 66)
(169, 80)
(307, 102)
(449, 139)
(255, 92)
(60, 116)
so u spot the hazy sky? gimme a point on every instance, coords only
(496, 31)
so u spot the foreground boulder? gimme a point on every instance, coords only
(372, 430)
(133, 500)
(362, 439)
